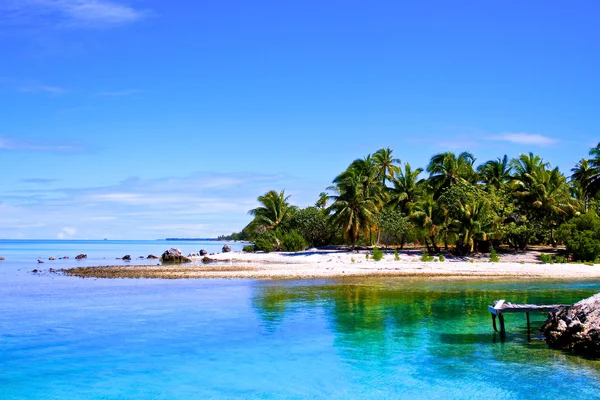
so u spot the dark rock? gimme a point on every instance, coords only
(67, 257)
(80, 256)
(575, 328)
(40, 262)
(35, 271)
(226, 248)
(203, 252)
(1, 258)
(174, 256)
(192, 255)
(152, 257)
(52, 259)
(206, 260)
(51, 270)
(126, 258)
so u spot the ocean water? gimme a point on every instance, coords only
(394, 338)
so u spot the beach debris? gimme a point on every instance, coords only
(203, 252)
(575, 328)
(226, 248)
(79, 256)
(126, 258)
(152, 257)
(173, 255)
(51, 258)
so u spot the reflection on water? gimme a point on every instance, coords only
(71, 338)
(436, 331)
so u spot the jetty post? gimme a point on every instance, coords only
(501, 306)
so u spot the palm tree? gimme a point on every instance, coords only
(470, 222)
(545, 193)
(495, 172)
(446, 169)
(527, 164)
(595, 164)
(274, 210)
(428, 216)
(582, 177)
(406, 188)
(385, 164)
(354, 208)
(321, 203)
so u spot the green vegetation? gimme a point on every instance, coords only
(396, 255)
(442, 258)
(378, 200)
(494, 255)
(377, 254)
(293, 241)
(546, 259)
(426, 257)
(248, 248)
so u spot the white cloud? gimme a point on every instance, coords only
(40, 88)
(526, 138)
(204, 204)
(73, 13)
(7, 143)
(120, 93)
(66, 232)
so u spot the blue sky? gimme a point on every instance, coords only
(146, 119)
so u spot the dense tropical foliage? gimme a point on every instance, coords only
(459, 206)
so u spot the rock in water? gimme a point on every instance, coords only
(203, 252)
(79, 256)
(151, 257)
(127, 257)
(575, 328)
(226, 248)
(174, 256)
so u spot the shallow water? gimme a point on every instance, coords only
(71, 338)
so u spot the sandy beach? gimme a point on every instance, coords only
(315, 263)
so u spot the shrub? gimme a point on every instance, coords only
(442, 258)
(584, 246)
(367, 256)
(426, 257)
(494, 255)
(312, 224)
(377, 254)
(561, 260)
(293, 241)
(396, 256)
(582, 237)
(267, 242)
(248, 248)
(546, 259)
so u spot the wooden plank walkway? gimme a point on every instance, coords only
(501, 306)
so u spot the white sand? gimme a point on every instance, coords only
(337, 263)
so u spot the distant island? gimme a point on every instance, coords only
(194, 239)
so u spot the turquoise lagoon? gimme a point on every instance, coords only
(71, 338)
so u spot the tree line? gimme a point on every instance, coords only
(458, 206)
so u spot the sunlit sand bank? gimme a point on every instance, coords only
(313, 264)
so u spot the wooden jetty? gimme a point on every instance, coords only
(500, 307)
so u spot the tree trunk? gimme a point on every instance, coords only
(434, 244)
